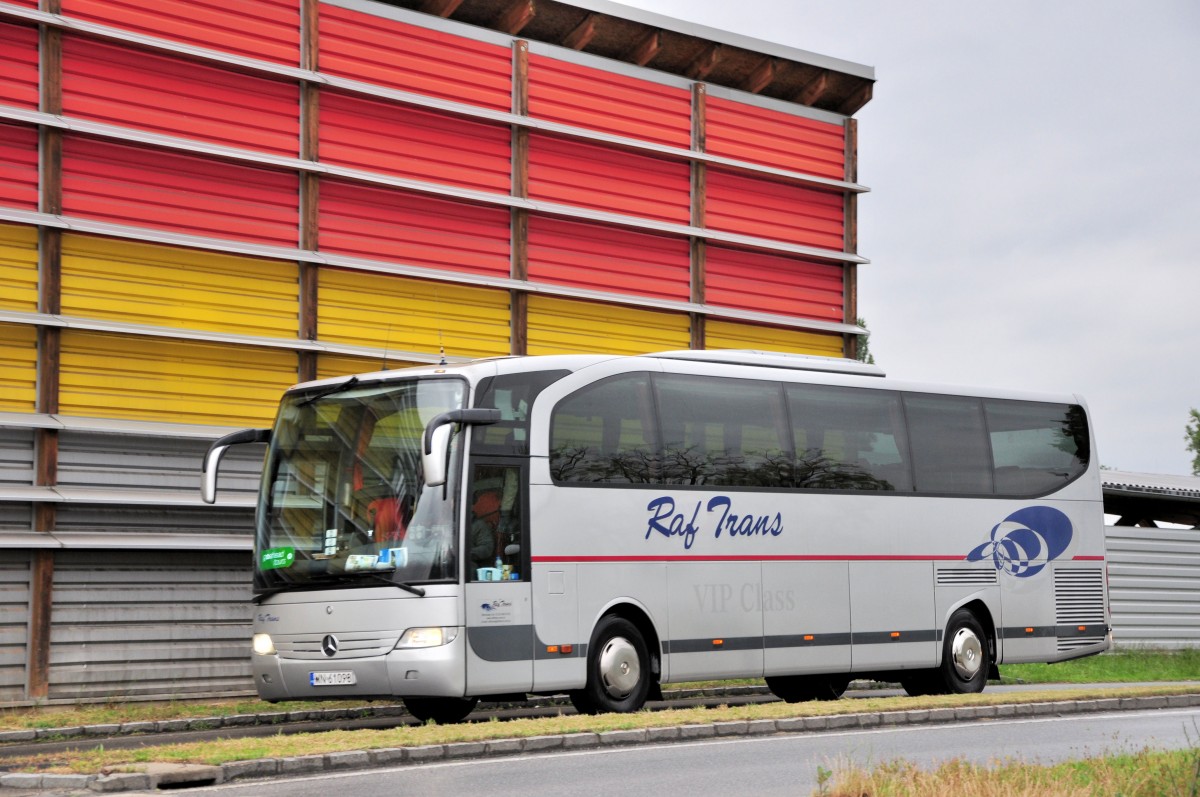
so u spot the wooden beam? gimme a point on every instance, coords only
(516, 17)
(857, 99)
(582, 35)
(704, 63)
(644, 51)
(440, 8)
(761, 76)
(812, 91)
(41, 592)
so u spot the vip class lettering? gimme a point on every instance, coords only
(719, 518)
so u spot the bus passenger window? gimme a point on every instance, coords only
(605, 433)
(848, 439)
(1036, 447)
(949, 444)
(722, 432)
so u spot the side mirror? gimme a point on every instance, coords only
(436, 451)
(212, 459)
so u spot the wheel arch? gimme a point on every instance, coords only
(639, 616)
(978, 606)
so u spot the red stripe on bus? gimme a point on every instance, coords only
(746, 558)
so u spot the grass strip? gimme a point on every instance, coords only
(1148, 773)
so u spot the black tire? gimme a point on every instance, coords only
(442, 710)
(618, 669)
(802, 688)
(965, 655)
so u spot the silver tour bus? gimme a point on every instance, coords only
(602, 525)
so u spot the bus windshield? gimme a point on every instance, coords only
(344, 502)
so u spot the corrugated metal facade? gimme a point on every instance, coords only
(1154, 586)
(242, 203)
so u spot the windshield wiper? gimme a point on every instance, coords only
(419, 592)
(329, 391)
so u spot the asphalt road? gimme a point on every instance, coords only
(772, 765)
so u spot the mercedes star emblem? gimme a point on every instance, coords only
(329, 645)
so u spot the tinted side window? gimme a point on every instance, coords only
(722, 431)
(950, 449)
(1036, 447)
(848, 439)
(605, 433)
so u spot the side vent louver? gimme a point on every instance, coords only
(1079, 602)
(966, 576)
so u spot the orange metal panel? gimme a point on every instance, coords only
(411, 142)
(604, 258)
(18, 167)
(388, 224)
(265, 29)
(774, 138)
(134, 88)
(566, 326)
(18, 368)
(598, 100)
(154, 379)
(18, 268)
(390, 53)
(772, 283)
(754, 205)
(153, 188)
(593, 176)
(733, 335)
(19, 77)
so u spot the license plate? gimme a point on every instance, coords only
(331, 679)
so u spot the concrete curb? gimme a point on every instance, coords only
(194, 775)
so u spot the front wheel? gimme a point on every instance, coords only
(618, 669)
(442, 710)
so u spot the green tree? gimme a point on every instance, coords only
(863, 347)
(1192, 437)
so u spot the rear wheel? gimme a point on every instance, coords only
(802, 688)
(442, 710)
(965, 658)
(618, 669)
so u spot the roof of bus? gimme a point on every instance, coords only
(826, 370)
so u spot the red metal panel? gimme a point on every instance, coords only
(402, 56)
(268, 30)
(771, 283)
(154, 92)
(154, 188)
(608, 102)
(19, 77)
(381, 223)
(592, 176)
(411, 142)
(753, 205)
(18, 167)
(604, 258)
(28, 3)
(774, 138)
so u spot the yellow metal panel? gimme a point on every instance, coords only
(566, 326)
(155, 379)
(168, 286)
(18, 268)
(331, 365)
(18, 368)
(731, 335)
(402, 314)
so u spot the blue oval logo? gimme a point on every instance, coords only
(1024, 537)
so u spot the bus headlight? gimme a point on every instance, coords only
(262, 645)
(427, 637)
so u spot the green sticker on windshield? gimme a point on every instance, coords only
(275, 558)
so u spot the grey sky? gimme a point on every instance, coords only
(1034, 219)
